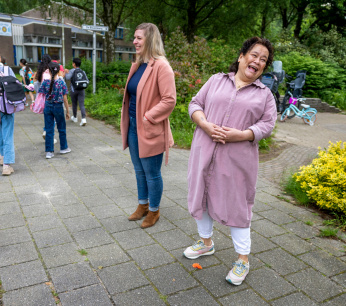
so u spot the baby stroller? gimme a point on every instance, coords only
(273, 79)
(295, 90)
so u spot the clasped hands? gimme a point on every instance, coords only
(222, 134)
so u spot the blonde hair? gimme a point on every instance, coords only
(153, 46)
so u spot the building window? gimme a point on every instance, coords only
(119, 33)
(119, 56)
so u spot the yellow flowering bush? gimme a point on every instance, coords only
(324, 180)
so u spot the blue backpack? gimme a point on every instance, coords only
(12, 96)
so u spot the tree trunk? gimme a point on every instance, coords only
(263, 25)
(191, 21)
(284, 18)
(110, 46)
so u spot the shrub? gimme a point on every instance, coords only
(324, 180)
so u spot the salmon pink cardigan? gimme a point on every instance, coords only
(156, 99)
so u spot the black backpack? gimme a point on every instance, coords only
(79, 79)
(12, 96)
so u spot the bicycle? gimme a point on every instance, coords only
(307, 113)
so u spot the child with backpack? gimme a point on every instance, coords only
(79, 82)
(56, 95)
(28, 77)
(7, 154)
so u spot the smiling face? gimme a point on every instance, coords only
(252, 64)
(139, 41)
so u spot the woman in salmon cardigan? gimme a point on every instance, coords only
(149, 99)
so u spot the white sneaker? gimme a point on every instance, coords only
(238, 273)
(74, 119)
(199, 249)
(68, 150)
(44, 134)
(49, 155)
(55, 141)
(83, 122)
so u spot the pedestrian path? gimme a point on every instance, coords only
(65, 238)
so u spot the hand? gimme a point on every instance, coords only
(67, 71)
(67, 116)
(213, 131)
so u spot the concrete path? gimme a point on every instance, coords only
(65, 238)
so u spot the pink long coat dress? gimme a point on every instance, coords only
(223, 176)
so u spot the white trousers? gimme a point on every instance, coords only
(240, 236)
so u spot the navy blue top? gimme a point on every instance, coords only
(132, 88)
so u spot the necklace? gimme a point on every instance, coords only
(239, 84)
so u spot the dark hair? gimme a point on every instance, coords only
(43, 66)
(247, 47)
(55, 57)
(77, 61)
(24, 62)
(54, 70)
(3, 60)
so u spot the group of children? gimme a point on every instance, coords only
(51, 87)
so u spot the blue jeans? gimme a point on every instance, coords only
(54, 111)
(148, 171)
(6, 138)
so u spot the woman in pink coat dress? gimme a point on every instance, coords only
(149, 99)
(233, 112)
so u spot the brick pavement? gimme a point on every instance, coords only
(65, 238)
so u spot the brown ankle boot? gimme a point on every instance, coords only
(151, 219)
(141, 211)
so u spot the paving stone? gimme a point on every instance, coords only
(265, 197)
(294, 299)
(67, 198)
(96, 200)
(128, 201)
(81, 223)
(118, 224)
(12, 220)
(285, 265)
(22, 275)
(72, 276)
(88, 296)
(30, 296)
(260, 206)
(44, 222)
(302, 230)
(7, 197)
(277, 216)
(29, 189)
(72, 210)
(92, 238)
(173, 239)
(122, 278)
(323, 262)
(340, 279)
(267, 228)
(17, 253)
(336, 247)
(52, 237)
(133, 238)
(274, 285)
(142, 296)
(171, 278)
(107, 211)
(256, 216)
(293, 244)
(338, 301)
(114, 193)
(243, 298)
(204, 261)
(176, 194)
(150, 256)
(214, 279)
(9, 208)
(38, 210)
(32, 199)
(106, 255)
(192, 297)
(260, 244)
(61, 255)
(175, 213)
(315, 285)
(14, 235)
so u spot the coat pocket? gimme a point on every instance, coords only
(152, 130)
